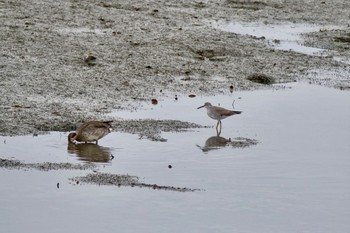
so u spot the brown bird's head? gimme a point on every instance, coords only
(72, 137)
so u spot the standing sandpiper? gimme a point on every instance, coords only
(218, 113)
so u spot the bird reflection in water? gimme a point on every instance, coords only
(214, 143)
(90, 152)
(217, 142)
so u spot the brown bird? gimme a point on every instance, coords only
(218, 113)
(91, 131)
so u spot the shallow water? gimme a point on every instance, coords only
(295, 180)
(83, 31)
(285, 36)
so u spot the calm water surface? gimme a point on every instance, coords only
(283, 36)
(295, 180)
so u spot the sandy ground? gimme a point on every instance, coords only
(142, 48)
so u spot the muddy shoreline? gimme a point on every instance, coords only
(142, 49)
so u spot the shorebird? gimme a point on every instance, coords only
(218, 113)
(90, 131)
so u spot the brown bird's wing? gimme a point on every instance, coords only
(93, 129)
(94, 124)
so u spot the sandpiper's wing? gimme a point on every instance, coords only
(225, 112)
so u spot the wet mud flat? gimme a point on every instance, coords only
(142, 49)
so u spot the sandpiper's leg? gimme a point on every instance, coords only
(220, 127)
(96, 142)
(218, 132)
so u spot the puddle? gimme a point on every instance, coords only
(295, 179)
(84, 30)
(286, 36)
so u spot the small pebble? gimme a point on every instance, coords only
(154, 101)
(90, 58)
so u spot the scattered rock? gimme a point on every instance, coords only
(90, 58)
(343, 39)
(231, 88)
(154, 101)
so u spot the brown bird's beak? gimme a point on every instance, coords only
(200, 107)
(72, 137)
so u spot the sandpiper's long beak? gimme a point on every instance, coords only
(200, 107)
